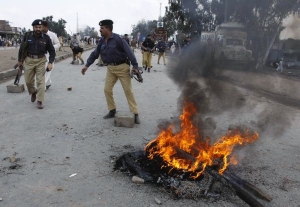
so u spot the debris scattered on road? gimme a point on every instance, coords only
(157, 201)
(69, 88)
(72, 175)
(1, 199)
(60, 189)
(12, 159)
(137, 180)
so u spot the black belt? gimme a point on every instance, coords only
(36, 56)
(114, 64)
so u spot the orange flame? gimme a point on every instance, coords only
(168, 142)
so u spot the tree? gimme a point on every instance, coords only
(144, 27)
(56, 27)
(263, 19)
(89, 31)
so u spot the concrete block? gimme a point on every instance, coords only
(124, 119)
(76, 62)
(15, 88)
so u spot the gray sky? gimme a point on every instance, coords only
(124, 13)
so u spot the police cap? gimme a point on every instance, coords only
(106, 22)
(37, 22)
(149, 35)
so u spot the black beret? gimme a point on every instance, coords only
(125, 34)
(37, 22)
(106, 22)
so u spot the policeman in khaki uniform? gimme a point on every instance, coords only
(115, 52)
(148, 47)
(32, 57)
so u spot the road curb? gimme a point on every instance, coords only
(12, 72)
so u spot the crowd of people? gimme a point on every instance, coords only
(9, 42)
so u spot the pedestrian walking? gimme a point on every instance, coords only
(161, 46)
(32, 52)
(56, 45)
(148, 47)
(173, 48)
(280, 66)
(115, 52)
(133, 45)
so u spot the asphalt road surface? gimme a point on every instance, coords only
(64, 154)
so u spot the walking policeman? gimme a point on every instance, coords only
(32, 52)
(116, 53)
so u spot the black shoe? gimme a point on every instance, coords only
(157, 62)
(111, 114)
(47, 87)
(145, 67)
(148, 70)
(137, 119)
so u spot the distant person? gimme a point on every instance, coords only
(116, 53)
(34, 60)
(77, 51)
(173, 48)
(280, 66)
(60, 39)
(56, 46)
(161, 46)
(133, 45)
(74, 41)
(126, 38)
(148, 47)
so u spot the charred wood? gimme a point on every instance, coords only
(226, 178)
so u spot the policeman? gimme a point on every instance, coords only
(32, 52)
(148, 47)
(115, 52)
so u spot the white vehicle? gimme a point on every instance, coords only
(229, 43)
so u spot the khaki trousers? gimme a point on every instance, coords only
(148, 59)
(78, 56)
(143, 60)
(100, 62)
(35, 68)
(161, 54)
(114, 73)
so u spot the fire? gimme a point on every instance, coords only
(170, 144)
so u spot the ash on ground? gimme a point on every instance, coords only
(176, 182)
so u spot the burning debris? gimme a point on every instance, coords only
(187, 164)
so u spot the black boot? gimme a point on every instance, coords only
(111, 114)
(137, 119)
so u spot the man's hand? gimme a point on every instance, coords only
(20, 64)
(49, 66)
(135, 71)
(83, 70)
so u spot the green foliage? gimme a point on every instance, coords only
(56, 27)
(144, 27)
(89, 31)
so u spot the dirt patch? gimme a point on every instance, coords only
(9, 57)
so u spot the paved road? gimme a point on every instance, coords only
(69, 136)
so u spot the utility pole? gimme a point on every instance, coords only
(159, 19)
(77, 24)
